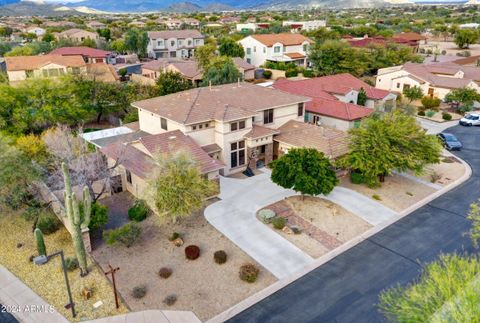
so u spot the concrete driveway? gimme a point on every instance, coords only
(346, 289)
(235, 216)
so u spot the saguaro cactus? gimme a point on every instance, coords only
(76, 223)
(42, 250)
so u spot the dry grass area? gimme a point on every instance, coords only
(329, 217)
(397, 192)
(200, 285)
(306, 243)
(47, 280)
(448, 171)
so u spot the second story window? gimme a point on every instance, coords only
(163, 123)
(172, 43)
(300, 110)
(160, 43)
(268, 116)
(239, 125)
(276, 49)
(180, 42)
(249, 51)
(129, 176)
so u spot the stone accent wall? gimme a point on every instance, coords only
(268, 156)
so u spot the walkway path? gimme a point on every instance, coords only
(235, 217)
(436, 127)
(151, 316)
(27, 306)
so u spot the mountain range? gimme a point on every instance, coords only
(46, 7)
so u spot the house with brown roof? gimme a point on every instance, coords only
(77, 35)
(20, 68)
(335, 99)
(235, 123)
(173, 43)
(276, 48)
(435, 79)
(90, 55)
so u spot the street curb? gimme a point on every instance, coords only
(264, 293)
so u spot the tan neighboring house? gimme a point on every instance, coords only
(20, 68)
(95, 25)
(77, 35)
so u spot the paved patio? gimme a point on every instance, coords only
(235, 217)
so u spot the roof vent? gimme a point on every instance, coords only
(172, 137)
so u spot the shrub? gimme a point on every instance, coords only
(464, 109)
(71, 263)
(220, 257)
(139, 291)
(279, 223)
(446, 116)
(430, 113)
(376, 197)
(48, 223)
(308, 73)
(421, 113)
(357, 178)
(165, 272)
(99, 216)
(192, 252)
(267, 74)
(174, 236)
(431, 103)
(266, 215)
(126, 235)
(434, 177)
(444, 52)
(170, 300)
(249, 273)
(139, 211)
(291, 72)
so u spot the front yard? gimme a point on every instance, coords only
(200, 285)
(323, 225)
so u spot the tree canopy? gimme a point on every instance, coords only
(136, 41)
(464, 96)
(465, 37)
(229, 47)
(413, 93)
(171, 82)
(221, 70)
(305, 170)
(388, 142)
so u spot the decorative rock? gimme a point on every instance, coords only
(19, 245)
(266, 215)
(296, 230)
(97, 304)
(178, 242)
(170, 300)
(287, 230)
(86, 293)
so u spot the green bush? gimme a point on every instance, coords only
(421, 113)
(282, 66)
(220, 257)
(464, 109)
(291, 72)
(430, 113)
(267, 74)
(126, 235)
(99, 216)
(48, 223)
(431, 103)
(139, 211)
(446, 116)
(139, 291)
(357, 178)
(174, 236)
(376, 197)
(249, 273)
(279, 223)
(71, 263)
(308, 73)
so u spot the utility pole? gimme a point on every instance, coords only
(112, 272)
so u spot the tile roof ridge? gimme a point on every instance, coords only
(191, 106)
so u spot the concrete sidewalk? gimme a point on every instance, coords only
(151, 316)
(24, 303)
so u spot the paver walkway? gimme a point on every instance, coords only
(151, 316)
(29, 307)
(234, 216)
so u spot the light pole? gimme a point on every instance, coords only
(41, 260)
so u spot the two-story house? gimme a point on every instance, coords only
(173, 43)
(78, 35)
(276, 48)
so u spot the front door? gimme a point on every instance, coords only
(430, 92)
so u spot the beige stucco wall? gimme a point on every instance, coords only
(150, 122)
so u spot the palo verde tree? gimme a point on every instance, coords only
(413, 93)
(463, 97)
(388, 142)
(178, 187)
(304, 170)
(465, 37)
(169, 82)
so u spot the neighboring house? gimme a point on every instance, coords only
(90, 55)
(138, 24)
(335, 98)
(298, 26)
(102, 72)
(472, 25)
(38, 31)
(189, 68)
(174, 43)
(20, 68)
(78, 35)
(417, 38)
(382, 41)
(251, 26)
(276, 48)
(468, 61)
(233, 122)
(95, 25)
(434, 79)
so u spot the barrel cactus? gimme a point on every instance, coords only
(76, 223)
(42, 250)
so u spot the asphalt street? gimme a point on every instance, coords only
(346, 289)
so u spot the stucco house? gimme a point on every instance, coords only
(38, 31)
(298, 26)
(20, 68)
(77, 35)
(173, 43)
(276, 48)
(434, 79)
(90, 55)
(335, 99)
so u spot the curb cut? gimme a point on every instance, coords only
(259, 296)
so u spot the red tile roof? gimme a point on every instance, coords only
(338, 109)
(285, 39)
(81, 50)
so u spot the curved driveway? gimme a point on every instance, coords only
(346, 288)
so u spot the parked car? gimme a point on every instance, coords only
(470, 119)
(449, 141)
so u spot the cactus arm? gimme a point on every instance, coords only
(42, 250)
(87, 208)
(66, 179)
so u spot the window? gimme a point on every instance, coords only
(234, 126)
(264, 50)
(249, 51)
(268, 116)
(194, 127)
(254, 49)
(249, 61)
(197, 41)
(276, 49)
(29, 73)
(160, 43)
(129, 176)
(398, 85)
(163, 123)
(300, 110)
(237, 153)
(172, 43)
(189, 42)
(305, 48)
(262, 149)
(173, 54)
(180, 42)
(200, 126)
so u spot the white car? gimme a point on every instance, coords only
(470, 119)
